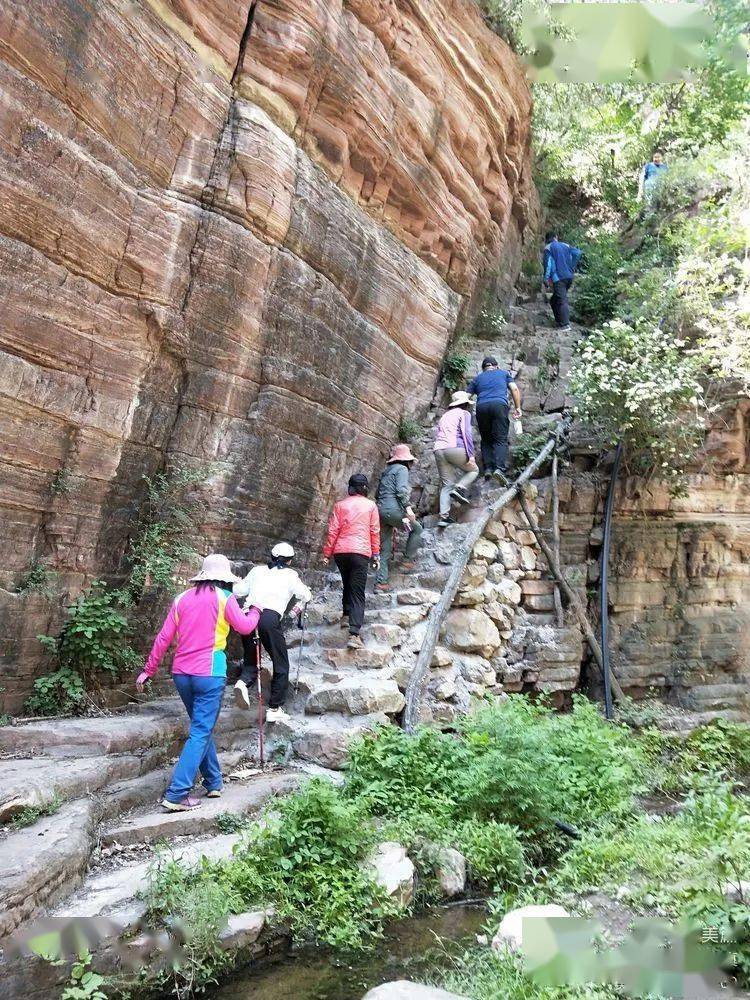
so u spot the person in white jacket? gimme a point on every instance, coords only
(272, 588)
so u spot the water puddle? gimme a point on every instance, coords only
(411, 949)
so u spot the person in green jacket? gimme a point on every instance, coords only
(395, 512)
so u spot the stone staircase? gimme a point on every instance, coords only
(101, 778)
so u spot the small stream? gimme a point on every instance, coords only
(411, 949)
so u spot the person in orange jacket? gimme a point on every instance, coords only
(354, 541)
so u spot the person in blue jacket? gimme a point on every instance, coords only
(492, 386)
(560, 262)
(651, 172)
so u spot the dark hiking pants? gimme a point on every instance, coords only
(274, 643)
(559, 301)
(353, 568)
(492, 418)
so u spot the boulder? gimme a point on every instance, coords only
(509, 555)
(404, 990)
(441, 657)
(242, 929)
(509, 936)
(450, 871)
(528, 557)
(394, 871)
(471, 631)
(357, 696)
(485, 550)
(418, 595)
(507, 592)
(495, 531)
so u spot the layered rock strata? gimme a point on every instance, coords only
(235, 235)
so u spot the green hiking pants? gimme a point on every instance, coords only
(390, 519)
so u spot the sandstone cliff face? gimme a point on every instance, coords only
(239, 234)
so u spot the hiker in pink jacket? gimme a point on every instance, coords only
(353, 540)
(199, 619)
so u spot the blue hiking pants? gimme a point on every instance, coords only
(202, 699)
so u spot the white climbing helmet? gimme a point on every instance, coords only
(282, 551)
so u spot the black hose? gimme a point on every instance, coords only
(603, 602)
(570, 831)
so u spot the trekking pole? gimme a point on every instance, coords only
(261, 743)
(300, 625)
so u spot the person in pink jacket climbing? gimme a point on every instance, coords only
(199, 619)
(353, 540)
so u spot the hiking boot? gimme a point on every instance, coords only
(487, 475)
(458, 494)
(241, 695)
(383, 588)
(277, 715)
(564, 329)
(344, 623)
(186, 805)
(501, 477)
(445, 521)
(355, 641)
(215, 793)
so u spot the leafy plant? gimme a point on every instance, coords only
(455, 369)
(30, 814)
(84, 983)
(94, 640)
(595, 290)
(493, 852)
(409, 429)
(60, 693)
(37, 579)
(61, 483)
(229, 822)
(171, 508)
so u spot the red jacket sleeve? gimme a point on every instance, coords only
(334, 526)
(241, 621)
(375, 530)
(162, 642)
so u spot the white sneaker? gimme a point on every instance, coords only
(241, 695)
(277, 715)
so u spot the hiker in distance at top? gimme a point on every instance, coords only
(272, 588)
(491, 387)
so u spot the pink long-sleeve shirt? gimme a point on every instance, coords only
(454, 431)
(200, 620)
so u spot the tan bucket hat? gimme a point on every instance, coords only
(459, 398)
(215, 567)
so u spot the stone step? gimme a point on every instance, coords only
(158, 824)
(161, 723)
(114, 892)
(44, 863)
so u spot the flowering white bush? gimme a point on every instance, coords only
(640, 385)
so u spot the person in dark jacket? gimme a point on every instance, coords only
(395, 511)
(560, 263)
(491, 387)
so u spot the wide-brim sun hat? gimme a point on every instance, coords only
(215, 567)
(459, 398)
(401, 453)
(282, 551)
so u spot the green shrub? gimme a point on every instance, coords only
(455, 369)
(93, 641)
(309, 861)
(493, 852)
(59, 693)
(38, 579)
(595, 289)
(409, 428)
(84, 983)
(230, 822)
(168, 515)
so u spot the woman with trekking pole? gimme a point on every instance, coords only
(272, 587)
(199, 619)
(353, 541)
